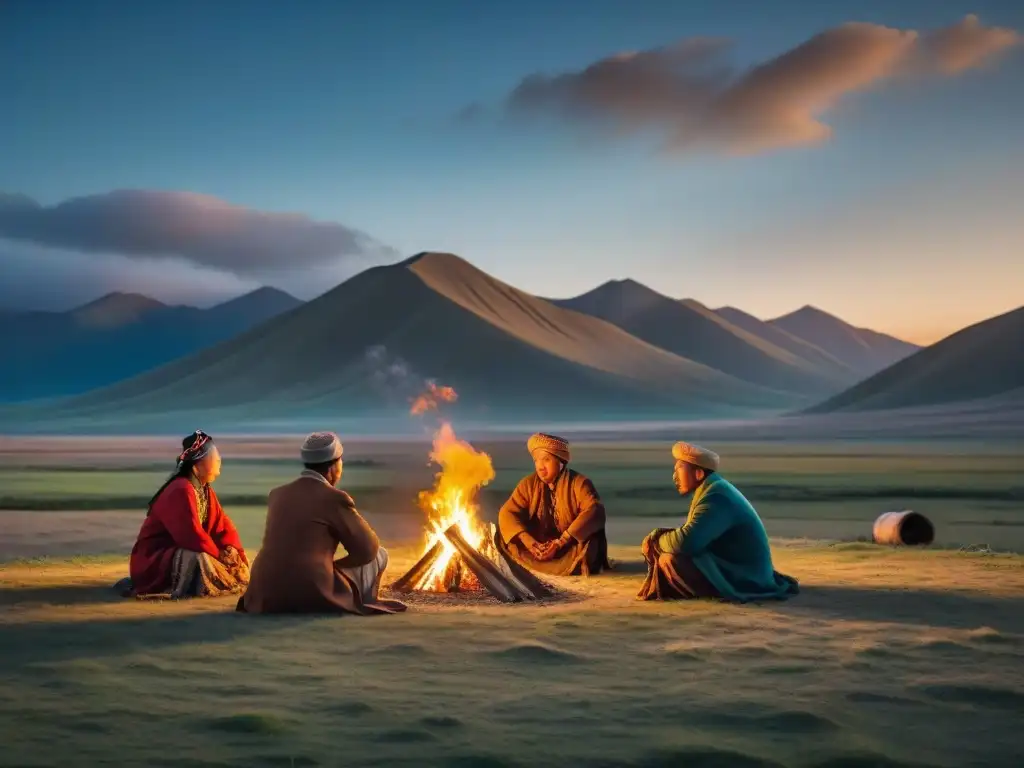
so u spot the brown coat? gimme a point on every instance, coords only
(574, 507)
(295, 570)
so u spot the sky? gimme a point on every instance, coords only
(866, 158)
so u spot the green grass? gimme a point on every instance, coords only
(888, 657)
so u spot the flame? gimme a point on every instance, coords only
(464, 470)
(432, 399)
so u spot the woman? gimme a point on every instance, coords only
(187, 546)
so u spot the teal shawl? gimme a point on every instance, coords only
(727, 541)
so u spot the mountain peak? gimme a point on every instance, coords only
(115, 309)
(432, 256)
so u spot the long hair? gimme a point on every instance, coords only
(193, 449)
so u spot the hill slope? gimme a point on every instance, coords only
(864, 351)
(371, 342)
(981, 361)
(785, 340)
(52, 354)
(691, 330)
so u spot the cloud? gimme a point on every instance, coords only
(203, 230)
(966, 45)
(689, 96)
(39, 278)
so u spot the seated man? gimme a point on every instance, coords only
(554, 520)
(295, 570)
(721, 551)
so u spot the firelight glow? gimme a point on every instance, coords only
(464, 470)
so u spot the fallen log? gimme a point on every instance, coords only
(412, 577)
(486, 572)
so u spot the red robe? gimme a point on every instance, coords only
(173, 524)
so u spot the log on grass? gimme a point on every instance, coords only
(408, 582)
(486, 572)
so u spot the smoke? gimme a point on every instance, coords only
(398, 382)
(432, 398)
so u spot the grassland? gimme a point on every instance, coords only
(888, 657)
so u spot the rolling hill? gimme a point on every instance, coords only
(982, 361)
(369, 344)
(864, 351)
(53, 354)
(691, 330)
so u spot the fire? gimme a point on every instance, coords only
(464, 471)
(432, 398)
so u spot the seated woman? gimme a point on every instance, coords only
(188, 546)
(721, 550)
(554, 520)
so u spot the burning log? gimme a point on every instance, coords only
(490, 577)
(505, 579)
(414, 575)
(453, 574)
(513, 571)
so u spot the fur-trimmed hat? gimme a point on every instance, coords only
(321, 447)
(696, 455)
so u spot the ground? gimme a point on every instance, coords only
(888, 657)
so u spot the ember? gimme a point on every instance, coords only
(462, 553)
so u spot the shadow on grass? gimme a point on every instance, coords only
(49, 641)
(954, 610)
(62, 594)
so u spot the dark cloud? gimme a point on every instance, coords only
(186, 226)
(689, 95)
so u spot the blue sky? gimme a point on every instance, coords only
(907, 219)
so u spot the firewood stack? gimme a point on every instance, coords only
(503, 578)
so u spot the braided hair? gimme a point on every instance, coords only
(193, 448)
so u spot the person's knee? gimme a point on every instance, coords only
(382, 558)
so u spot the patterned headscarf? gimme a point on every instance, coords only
(195, 447)
(200, 446)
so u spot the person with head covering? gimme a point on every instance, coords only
(187, 545)
(554, 521)
(295, 570)
(722, 549)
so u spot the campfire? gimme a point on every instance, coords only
(462, 553)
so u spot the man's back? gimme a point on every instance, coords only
(295, 570)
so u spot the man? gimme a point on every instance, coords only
(721, 550)
(295, 570)
(554, 520)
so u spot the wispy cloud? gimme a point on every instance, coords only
(173, 246)
(203, 230)
(693, 99)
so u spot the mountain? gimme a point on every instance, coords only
(114, 310)
(864, 351)
(369, 345)
(981, 361)
(689, 329)
(53, 354)
(785, 340)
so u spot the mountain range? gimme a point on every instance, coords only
(621, 351)
(53, 354)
